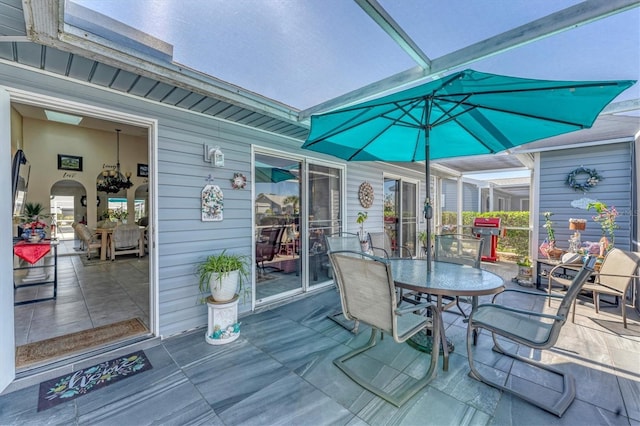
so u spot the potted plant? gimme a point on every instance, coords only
(422, 237)
(32, 221)
(223, 275)
(548, 247)
(360, 220)
(606, 217)
(525, 270)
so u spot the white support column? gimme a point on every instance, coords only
(491, 197)
(459, 204)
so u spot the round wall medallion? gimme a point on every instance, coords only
(365, 194)
(83, 201)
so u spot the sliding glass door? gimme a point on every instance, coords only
(296, 204)
(400, 219)
(325, 218)
(277, 226)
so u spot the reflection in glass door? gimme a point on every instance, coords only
(400, 220)
(277, 226)
(325, 218)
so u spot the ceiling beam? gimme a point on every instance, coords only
(391, 27)
(563, 20)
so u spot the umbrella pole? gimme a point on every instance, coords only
(428, 210)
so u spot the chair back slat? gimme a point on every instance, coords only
(367, 290)
(126, 235)
(617, 269)
(341, 241)
(459, 249)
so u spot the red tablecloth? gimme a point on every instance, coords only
(31, 252)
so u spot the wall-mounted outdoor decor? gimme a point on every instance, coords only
(69, 162)
(365, 194)
(239, 181)
(583, 179)
(212, 202)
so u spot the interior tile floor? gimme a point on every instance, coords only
(88, 296)
(280, 371)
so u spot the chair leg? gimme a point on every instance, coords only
(568, 389)
(405, 391)
(462, 312)
(336, 317)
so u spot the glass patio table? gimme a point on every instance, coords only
(444, 279)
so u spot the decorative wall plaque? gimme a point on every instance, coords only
(212, 203)
(365, 194)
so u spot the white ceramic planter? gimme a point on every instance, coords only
(225, 290)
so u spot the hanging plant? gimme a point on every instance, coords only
(583, 179)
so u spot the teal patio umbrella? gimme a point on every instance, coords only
(466, 113)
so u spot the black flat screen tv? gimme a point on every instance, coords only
(20, 181)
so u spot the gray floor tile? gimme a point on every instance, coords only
(281, 371)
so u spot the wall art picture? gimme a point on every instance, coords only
(212, 203)
(143, 170)
(69, 162)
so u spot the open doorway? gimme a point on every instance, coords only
(88, 292)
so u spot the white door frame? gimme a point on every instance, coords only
(7, 334)
(8, 95)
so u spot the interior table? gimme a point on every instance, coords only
(105, 234)
(38, 270)
(445, 279)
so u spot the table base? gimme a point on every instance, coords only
(424, 343)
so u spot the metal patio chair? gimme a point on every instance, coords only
(368, 295)
(381, 246)
(341, 241)
(616, 274)
(459, 249)
(532, 329)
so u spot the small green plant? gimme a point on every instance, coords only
(33, 211)
(548, 225)
(422, 237)
(606, 217)
(360, 220)
(222, 264)
(524, 261)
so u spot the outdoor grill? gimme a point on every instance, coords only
(488, 229)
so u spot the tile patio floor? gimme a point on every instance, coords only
(280, 371)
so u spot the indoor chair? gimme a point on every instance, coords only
(268, 246)
(617, 272)
(89, 241)
(367, 294)
(127, 238)
(531, 329)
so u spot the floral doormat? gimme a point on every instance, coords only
(70, 386)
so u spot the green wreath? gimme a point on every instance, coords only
(592, 179)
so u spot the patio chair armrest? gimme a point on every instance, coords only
(528, 292)
(521, 311)
(374, 249)
(598, 275)
(405, 249)
(413, 308)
